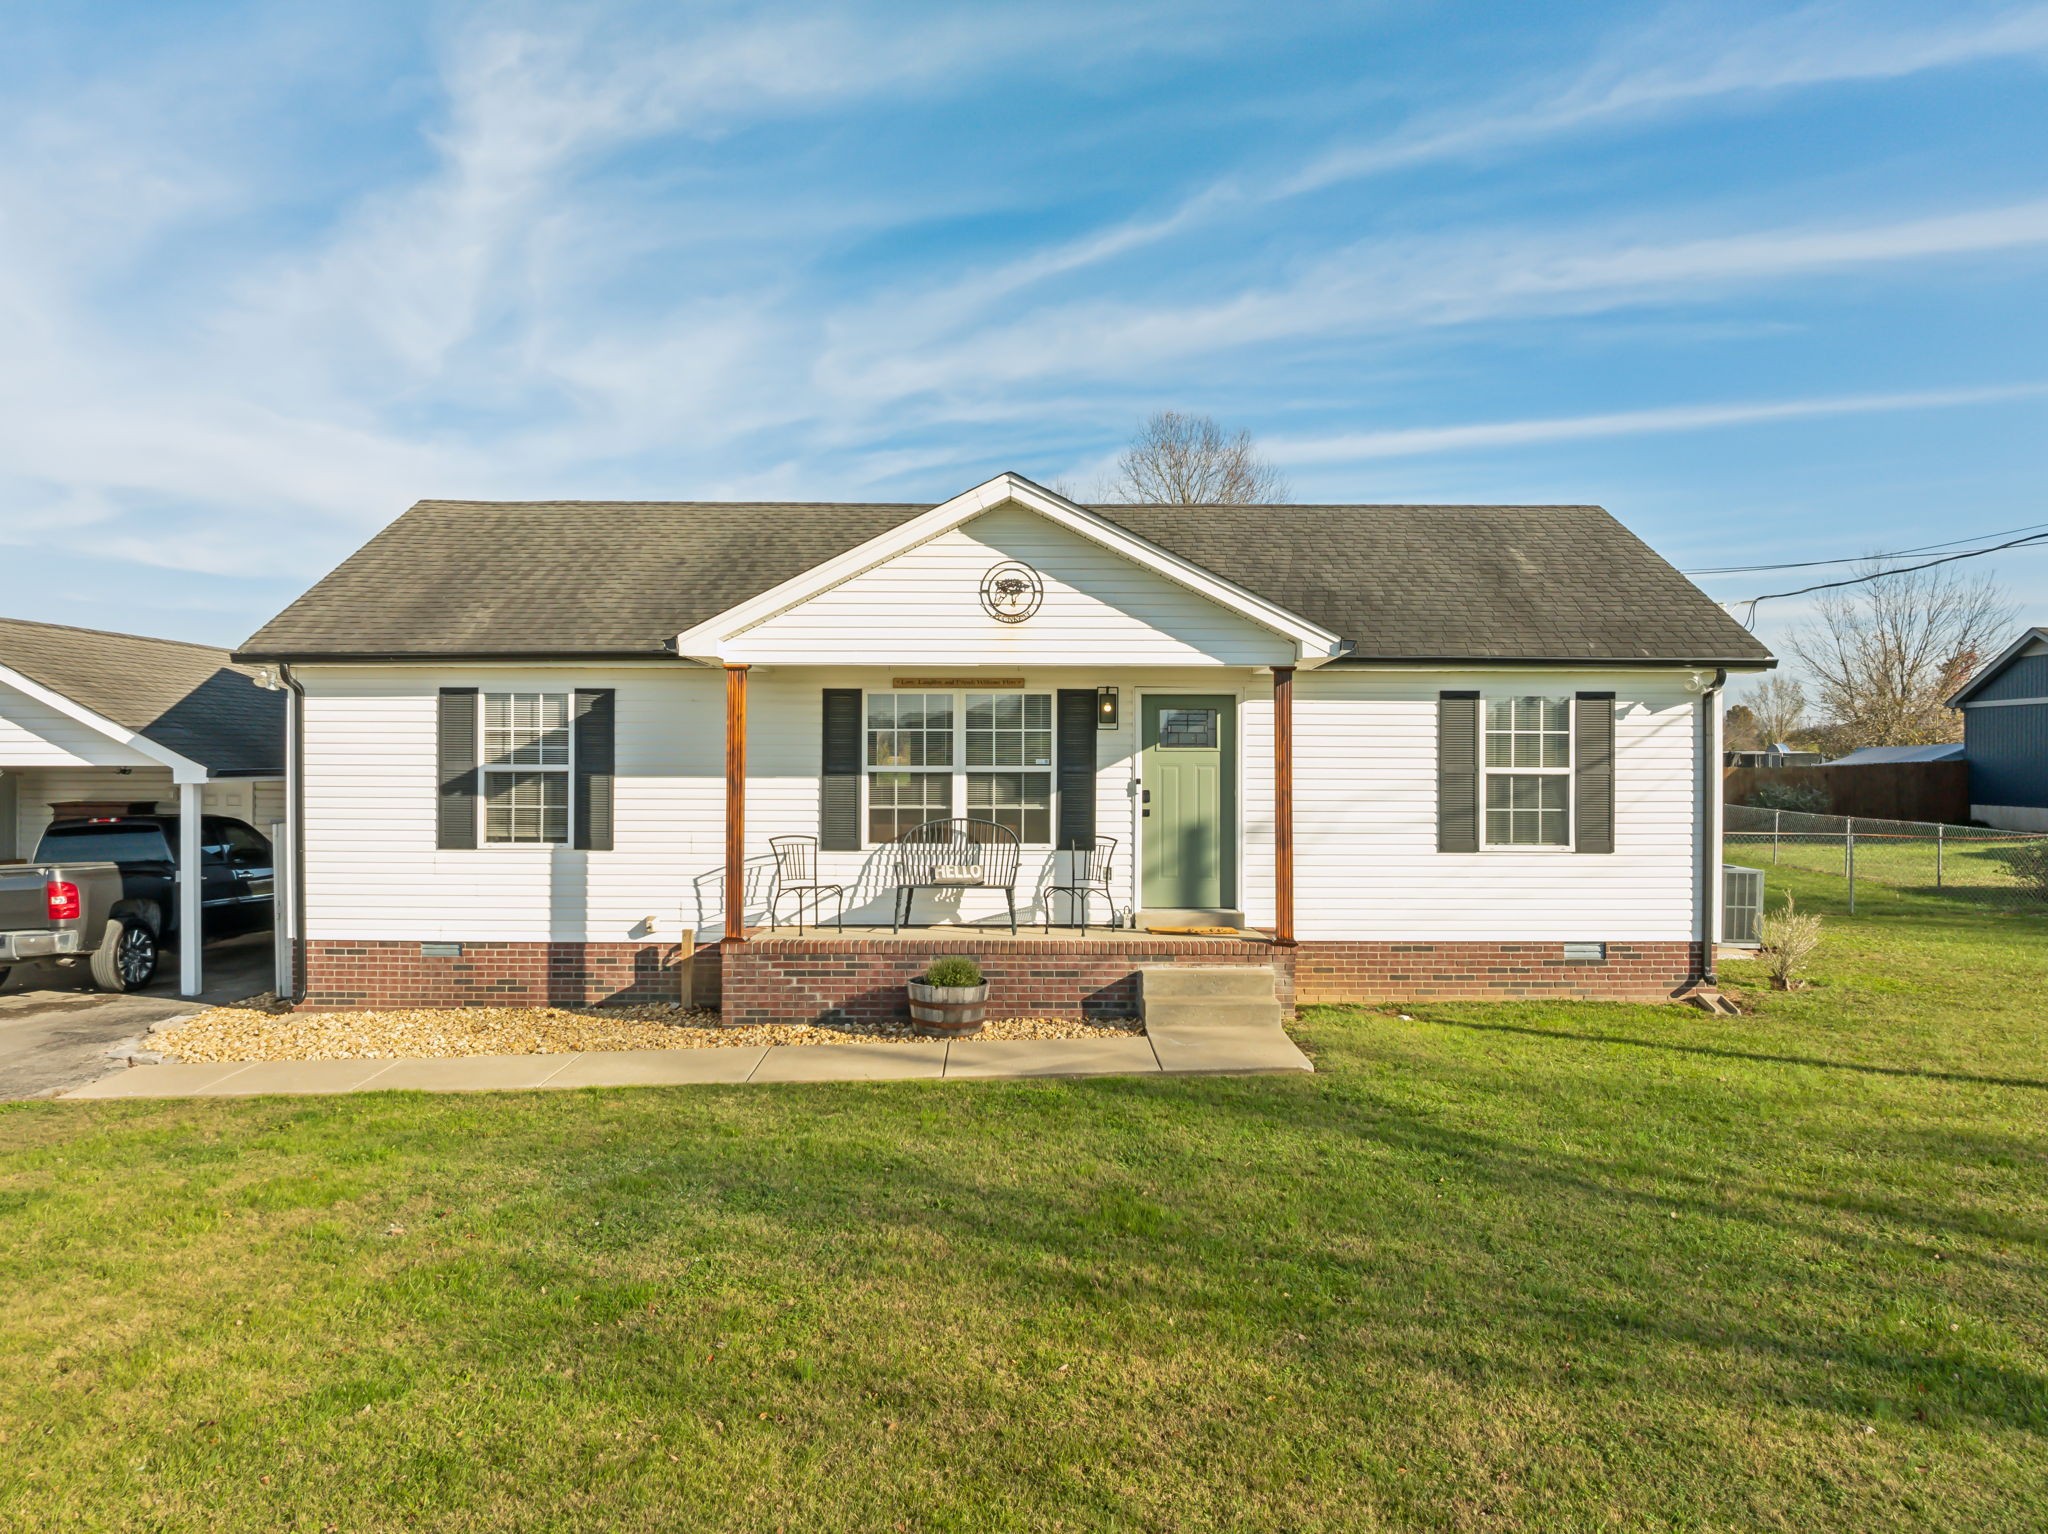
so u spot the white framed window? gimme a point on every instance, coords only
(1526, 772)
(990, 752)
(909, 761)
(526, 767)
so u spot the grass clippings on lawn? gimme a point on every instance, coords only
(1529, 1267)
(259, 1030)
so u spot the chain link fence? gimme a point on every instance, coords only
(2002, 868)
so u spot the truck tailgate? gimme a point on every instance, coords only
(23, 907)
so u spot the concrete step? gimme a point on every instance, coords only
(1196, 1014)
(1239, 982)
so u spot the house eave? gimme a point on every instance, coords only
(183, 768)
(1580, 662)
(432, 657)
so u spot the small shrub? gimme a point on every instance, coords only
(955, 971)
(1803, 798)
(2029, 864)
(1789, 940)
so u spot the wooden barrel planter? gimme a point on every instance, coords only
(953, 1011)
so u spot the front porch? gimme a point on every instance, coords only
(1100, 782)
(777, 975)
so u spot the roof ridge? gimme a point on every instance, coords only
(75, 628)
(665, 505)
(1101, 506)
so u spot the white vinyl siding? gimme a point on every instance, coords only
(1366, 864)
(1365, 816)
(924, 608)
(372, 786)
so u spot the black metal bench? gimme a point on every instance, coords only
(953, 855)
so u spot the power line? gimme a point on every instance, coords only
(1877, 575)
(1850, 559)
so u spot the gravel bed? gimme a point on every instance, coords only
(259, 1029)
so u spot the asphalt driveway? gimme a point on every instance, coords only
(55, 1028)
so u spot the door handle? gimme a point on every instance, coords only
(1145, 798)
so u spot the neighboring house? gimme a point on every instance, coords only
(1873, 756)
(2005, 736)
(119, 721)
(1446, 750)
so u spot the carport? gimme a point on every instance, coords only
(129, 725)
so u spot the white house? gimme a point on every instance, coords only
(541, 750)
(123, 723)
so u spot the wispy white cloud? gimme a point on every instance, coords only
(1421, 441)
(410, 345)
(1687, 62)
(1678, 66)
(1412, 286)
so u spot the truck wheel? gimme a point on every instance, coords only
(126, 957)
(4, 973)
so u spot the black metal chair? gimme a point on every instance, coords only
(1090, 874)
(955, 854)
(796, 873)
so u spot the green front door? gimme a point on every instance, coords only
(1189, 769)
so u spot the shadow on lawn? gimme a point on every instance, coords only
(2027, 1082)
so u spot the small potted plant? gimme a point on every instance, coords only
(950, 999)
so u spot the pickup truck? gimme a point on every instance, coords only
(104, 891)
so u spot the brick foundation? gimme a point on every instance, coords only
(824, 978)
(853, 979)
(1374, 972)
(389, 974)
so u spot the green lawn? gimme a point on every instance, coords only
(1518, 1267)
(1970, 864)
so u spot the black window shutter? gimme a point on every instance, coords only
(1075, 761)
(455, 811)
(1593, 771)
(1457, 772)
(839, 789)
(596, 760)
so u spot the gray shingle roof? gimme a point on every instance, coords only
(603, 578)
(190, 698)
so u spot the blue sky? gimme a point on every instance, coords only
(1765, 281)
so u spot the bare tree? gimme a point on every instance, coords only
(1778, 706)
(1885, 656)
(1187, 460)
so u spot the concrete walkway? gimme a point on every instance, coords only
(1208, 1051)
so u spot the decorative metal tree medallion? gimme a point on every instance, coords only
(1012, 591)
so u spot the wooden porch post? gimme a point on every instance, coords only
(1283, 805)
(735, 803)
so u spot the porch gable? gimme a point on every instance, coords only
(1005, 572)
(926, 606)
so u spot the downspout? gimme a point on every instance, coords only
(295, 820)
(1710, 823)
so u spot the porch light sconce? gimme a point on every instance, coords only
(1105, 708)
